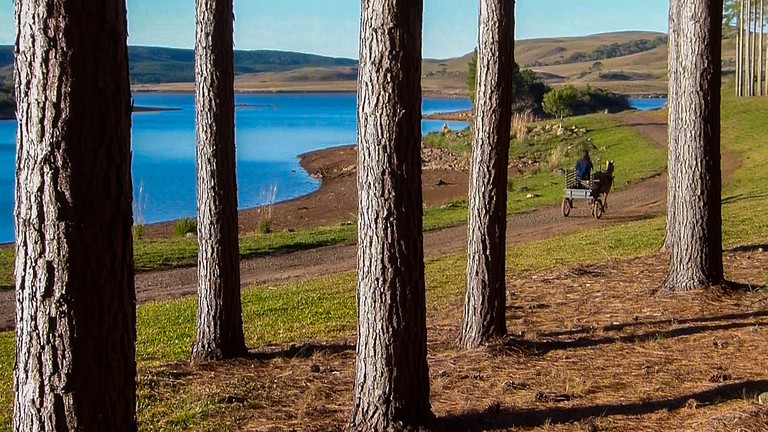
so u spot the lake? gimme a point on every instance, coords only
(646, 104)
(271, 131)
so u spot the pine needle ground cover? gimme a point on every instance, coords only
(593, 342)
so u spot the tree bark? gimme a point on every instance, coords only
(760, 51)
(75, 301)
(392, 380)
(748, 46)
(765, 66)
(753, 54)
(694, 141)
(740, 51)
(219, 315)
(485, 303)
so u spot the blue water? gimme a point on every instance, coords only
(272, 130)
(646, 104)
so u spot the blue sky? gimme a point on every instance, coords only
(330, 27)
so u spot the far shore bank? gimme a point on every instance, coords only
(5, 116)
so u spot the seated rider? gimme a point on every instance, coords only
(583, 167)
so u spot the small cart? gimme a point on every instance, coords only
(582, 190)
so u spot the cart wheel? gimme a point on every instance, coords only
(566, 207)
(597, 209)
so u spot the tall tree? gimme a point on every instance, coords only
(485, 303)
(694, 141)
(740, 50)
(748, 48)
(760, 24)
(76, 309)
(392, 380)
(219, 314)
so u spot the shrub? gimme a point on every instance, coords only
(265, 226)
(559, 101)
(184, 226)
(138, 232)
(568, 100)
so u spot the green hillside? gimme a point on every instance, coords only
(149, 65)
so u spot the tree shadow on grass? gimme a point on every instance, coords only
(741, 197)
(630, 218)
(625, 125)
(640, 323)
(509, 418)
(749, 248)
(299, 351)
(6, 288)
(541, 347)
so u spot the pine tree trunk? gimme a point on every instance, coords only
(753, 54)
(392, 380)
(694, 142)
(669, 235)
(485, 303)
(219, 315)
(765, 67)
(748, 53)
(740, 51)
(760, 52)
(76, 309)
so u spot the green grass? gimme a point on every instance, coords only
(7, 358)
(636, 157)
(324, 307)
(176, 252)
(6, 267)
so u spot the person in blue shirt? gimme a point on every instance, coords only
(583, 167)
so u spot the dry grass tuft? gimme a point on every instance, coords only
(520, 122)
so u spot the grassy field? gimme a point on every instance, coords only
(324, 308)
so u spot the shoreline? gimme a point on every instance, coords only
(135, 109)
(316, 163)
(334, 201)
(429, 94)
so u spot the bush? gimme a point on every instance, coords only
(568, 100)
(265, 226)
(559, 102)
(138, 232)
(184, 226)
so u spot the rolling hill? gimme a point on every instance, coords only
(631, 62)
(150, 65)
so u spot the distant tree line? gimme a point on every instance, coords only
(616, 49)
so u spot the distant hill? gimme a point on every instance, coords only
(151, 65)
(631, 62)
